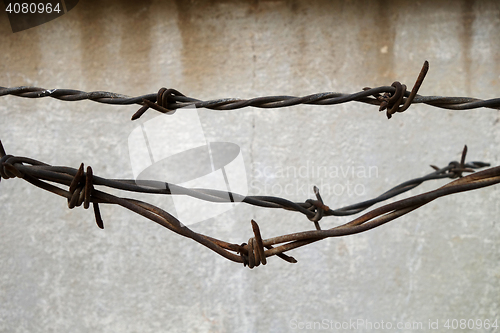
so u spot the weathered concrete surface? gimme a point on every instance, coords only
(60, 273)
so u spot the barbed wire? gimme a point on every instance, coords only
(81, 190)
(394, 98)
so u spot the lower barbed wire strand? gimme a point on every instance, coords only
(81, 190)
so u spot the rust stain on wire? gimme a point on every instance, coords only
(80, 190)
(394, 98)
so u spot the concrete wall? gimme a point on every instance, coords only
(60, 273)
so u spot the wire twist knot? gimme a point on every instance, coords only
(80, 191)
(253, 253)
(459, 168)
(318, 207)
(396, 101)
(7, 168)
(164, 100)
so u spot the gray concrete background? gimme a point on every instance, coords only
(60, 273)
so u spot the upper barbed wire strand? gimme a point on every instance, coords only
(170, 99)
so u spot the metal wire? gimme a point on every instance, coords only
(395, 98)
(81, 191)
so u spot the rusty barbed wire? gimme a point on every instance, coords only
(81, 190)
(395, 98)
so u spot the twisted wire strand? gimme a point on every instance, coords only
(395, 98)
(81, 190)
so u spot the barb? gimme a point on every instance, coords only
(395, 98)
(81, 190)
